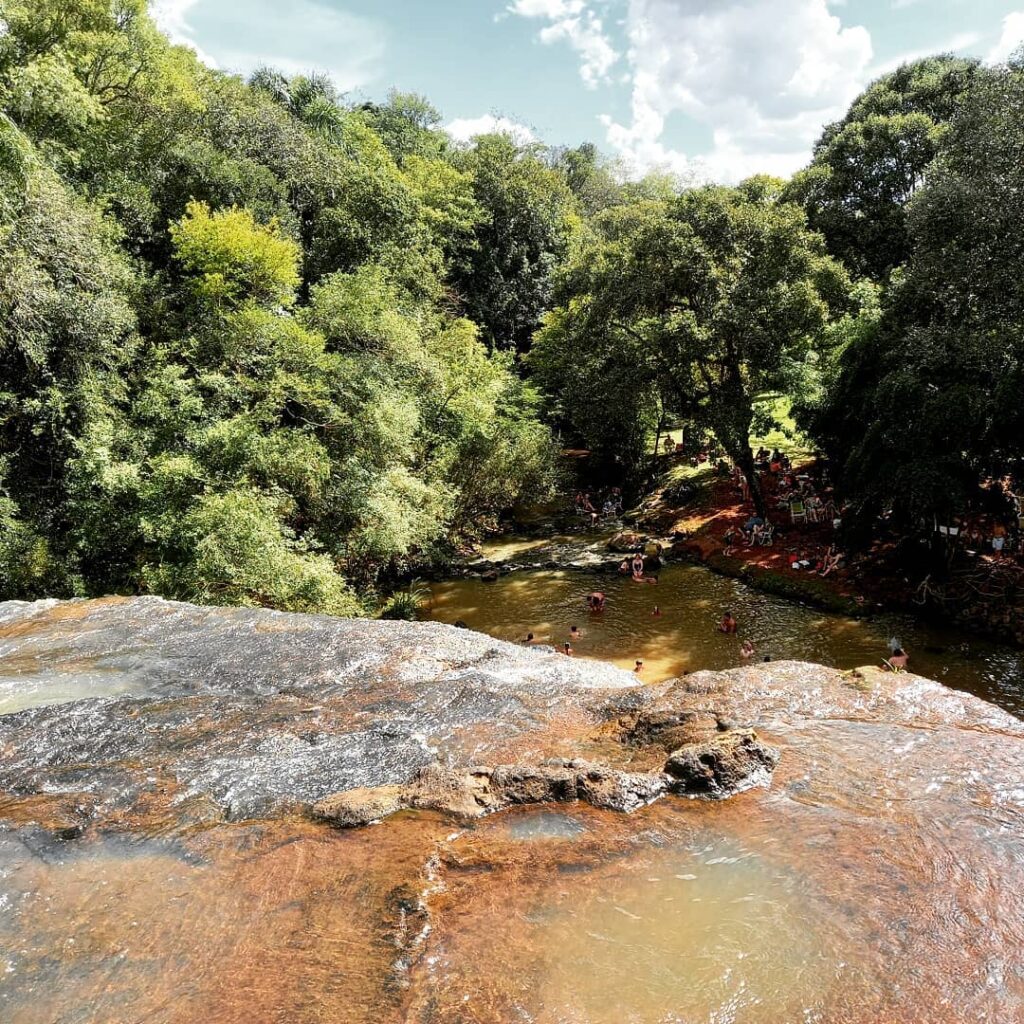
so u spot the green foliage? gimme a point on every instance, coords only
(232, 259)
(527, 219)
(405, 605)
(868, 166)
(231, 367)
(702, 304)
(262, 346)
(233, 551)
(924, 402)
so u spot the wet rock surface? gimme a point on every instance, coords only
(165, 852)
(478, 791)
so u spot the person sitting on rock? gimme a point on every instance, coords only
(728, 624)
(638, 566)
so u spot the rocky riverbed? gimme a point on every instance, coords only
(242, 815)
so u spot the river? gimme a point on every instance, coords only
(684, 638)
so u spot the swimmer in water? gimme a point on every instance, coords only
(529, 639)
(746, 650)
(595, 601)
(898, 660)
(574, 633)
(657, 612)
(728, 624)
(567, 649)
(639, 667)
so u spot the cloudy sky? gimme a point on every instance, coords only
(717, 88)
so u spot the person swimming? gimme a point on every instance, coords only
(728, 624)
(595, 601)
(574, 633)
(529, 639)
(897, 661)
(657, 612)
(639, 666)
(567, 649)
(747, 650)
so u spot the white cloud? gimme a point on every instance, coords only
(172, 17)
(763, 75)
(462, 129)
(576, 23)
(300, 36)
(1012, 37)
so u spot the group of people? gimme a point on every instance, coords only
(805, 498)
(979, 535)
(824, 561)
(604, 505)
(728, 625)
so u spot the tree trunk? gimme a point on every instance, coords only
(744, 458)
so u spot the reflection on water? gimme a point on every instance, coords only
(683, 638)
(20, 690)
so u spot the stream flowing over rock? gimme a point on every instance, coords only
(189, 796)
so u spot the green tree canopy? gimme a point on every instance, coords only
(719, 294)
(867, 166)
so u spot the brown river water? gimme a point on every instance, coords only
(156, 864)
(684, 638)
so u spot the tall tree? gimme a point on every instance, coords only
(926, 405)
(867, 167)
(528, 214)
(722, 293)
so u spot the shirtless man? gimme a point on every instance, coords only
(728, 624)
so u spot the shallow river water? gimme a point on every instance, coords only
(158, 863)
(684, 637)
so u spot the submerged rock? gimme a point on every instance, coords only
(626, 542)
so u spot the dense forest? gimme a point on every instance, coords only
(260, 344)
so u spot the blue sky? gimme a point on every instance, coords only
(713, 88)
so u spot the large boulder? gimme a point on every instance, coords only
(626, 542)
